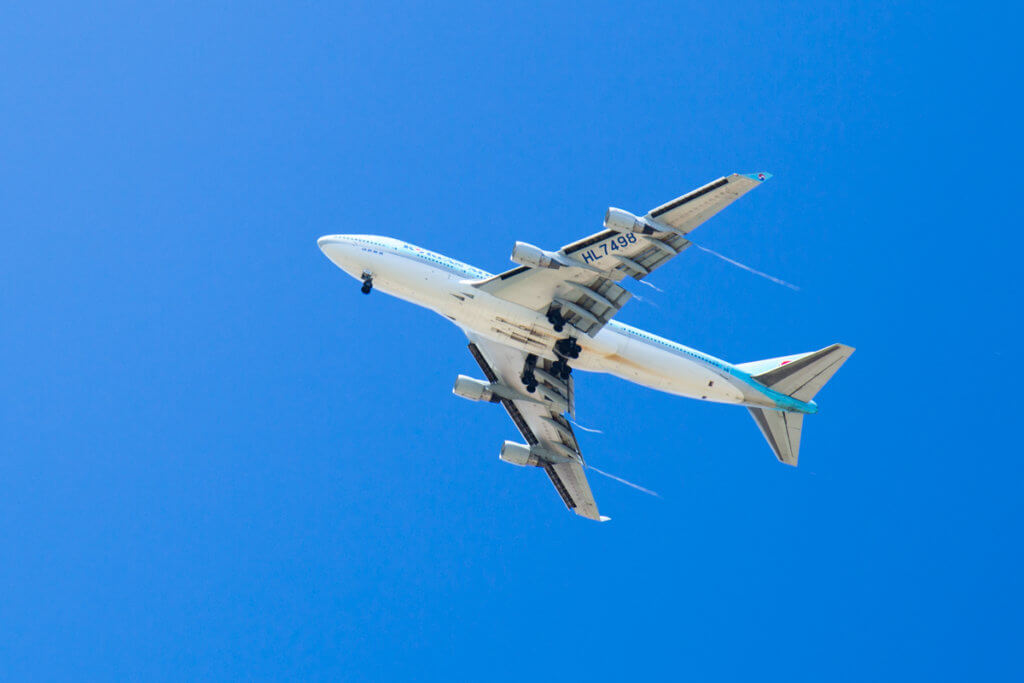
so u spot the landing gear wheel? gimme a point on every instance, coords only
(367, 286)
(568, 348)
(531, 387)
(560, 368)
(556, 319)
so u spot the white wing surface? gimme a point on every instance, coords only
(540, 418)
(582, 281)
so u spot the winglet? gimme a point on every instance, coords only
(760, 176)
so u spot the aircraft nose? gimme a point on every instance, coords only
(339, 250)
(326, 240)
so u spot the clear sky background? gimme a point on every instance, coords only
(219, 460)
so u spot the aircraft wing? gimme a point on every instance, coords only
(582, 283)
(539, 416)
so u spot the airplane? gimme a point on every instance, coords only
(530, 326)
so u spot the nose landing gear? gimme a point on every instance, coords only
(367, 282)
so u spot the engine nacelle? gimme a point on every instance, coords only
(518, 454)
(528, 255)
(473, 389)
(620, 220)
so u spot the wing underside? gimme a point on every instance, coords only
(540, 418)
(588, 295)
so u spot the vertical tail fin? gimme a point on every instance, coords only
(800, 377)
(782, 430)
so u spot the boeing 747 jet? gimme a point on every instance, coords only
(530, 327)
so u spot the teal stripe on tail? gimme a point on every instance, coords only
(799, 377)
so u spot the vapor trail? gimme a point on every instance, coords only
(586, 429)
(747, 268)
(623, 481)
(652, 285)
(645, 300)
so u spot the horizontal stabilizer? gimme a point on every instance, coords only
(800, 377)
(782, 430)
(804, 377)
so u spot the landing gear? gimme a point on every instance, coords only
(561, 369)
(528, 377)
(556, 319)
(367, 283)
(568, 348)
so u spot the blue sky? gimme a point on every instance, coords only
(221, 461)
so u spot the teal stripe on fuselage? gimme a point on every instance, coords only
(781, 401)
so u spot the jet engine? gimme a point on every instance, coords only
(518, 454)
(528, 255)
(473, 389)
(620, 220)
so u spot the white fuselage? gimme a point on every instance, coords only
(446, 286)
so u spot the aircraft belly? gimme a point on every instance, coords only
(506, 323)
(663, 370)
(608, 352)
(529, 330)
(416, 283)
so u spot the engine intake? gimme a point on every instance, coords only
(528, 255)
(621, 220)
(473, 389)
(518, 454)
